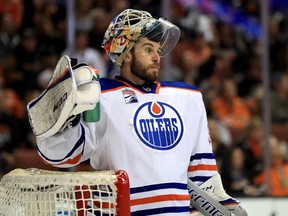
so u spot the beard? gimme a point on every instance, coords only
(141, 71)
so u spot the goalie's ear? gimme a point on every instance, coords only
(128, 57)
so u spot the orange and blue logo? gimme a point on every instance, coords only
(129, 96)
(158, 125)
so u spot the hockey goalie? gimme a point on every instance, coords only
(156, 131)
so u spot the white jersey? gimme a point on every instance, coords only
(157, 133)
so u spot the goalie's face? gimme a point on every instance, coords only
(145, 61)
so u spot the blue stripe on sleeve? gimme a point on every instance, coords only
(202, 156)
(200, 178)
(158, 187)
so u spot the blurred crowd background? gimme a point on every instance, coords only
(219, 52)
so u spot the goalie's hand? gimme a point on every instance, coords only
(88, 88)
(70, 92)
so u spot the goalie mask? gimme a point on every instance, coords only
(130, 25)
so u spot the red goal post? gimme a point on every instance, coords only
(37, 192)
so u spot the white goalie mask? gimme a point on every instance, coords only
(130, 25)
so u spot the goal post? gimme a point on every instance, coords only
(36, 192)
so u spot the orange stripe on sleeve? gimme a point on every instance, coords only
(72, 161)
(202, 167)
(160, 198)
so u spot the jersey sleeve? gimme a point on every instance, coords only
(202, 164)
(70, 147)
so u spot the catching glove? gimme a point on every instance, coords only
(70, 92)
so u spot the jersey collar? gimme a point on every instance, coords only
(147, 87)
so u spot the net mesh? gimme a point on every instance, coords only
(34, 192)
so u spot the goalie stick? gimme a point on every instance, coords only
(204, 203)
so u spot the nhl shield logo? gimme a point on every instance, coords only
(158, 125)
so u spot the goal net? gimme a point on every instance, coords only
(35, 192)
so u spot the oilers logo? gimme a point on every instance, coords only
(158, 125)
